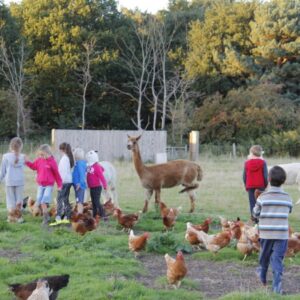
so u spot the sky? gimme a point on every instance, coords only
(151, 6)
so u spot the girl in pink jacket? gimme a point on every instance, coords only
(95, 181)
(47, 174)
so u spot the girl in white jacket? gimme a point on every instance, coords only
(65, 166)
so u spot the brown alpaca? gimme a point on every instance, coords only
(165, 175)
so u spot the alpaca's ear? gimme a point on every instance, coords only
(138, 137)
(128, 136)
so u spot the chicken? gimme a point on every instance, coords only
(82, 223)
(169, 219)
(126, 221)
(52, 211)
(216, 242)
(293, 247)
(41, 292)
(224, 223)
(15, 215)
(192, 237)
(164, 210)
(176, 269)
(257, 193)
(235, 227)
(35, 209)
(109, 207)
(244, 245)
(23, 291)
(253, 236)
(204, 226)
(136, 243)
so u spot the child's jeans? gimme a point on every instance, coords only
(63, 204)
(14, 195)
(44, 194)
(79, 195)
(95, 196)
(272, 251)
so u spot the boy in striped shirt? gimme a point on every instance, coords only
(273, 208)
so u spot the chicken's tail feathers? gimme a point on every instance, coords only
(131, 233)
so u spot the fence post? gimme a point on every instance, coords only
(194, 145)
(234, 150)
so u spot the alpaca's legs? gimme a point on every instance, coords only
(193, 200)
(157, 199)
(148, 197)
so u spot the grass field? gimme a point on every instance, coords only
(100, 265)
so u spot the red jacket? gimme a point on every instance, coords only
(95, 176)
(255, 173)
(47, 171)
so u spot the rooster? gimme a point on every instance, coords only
(41, 292)
(82, 223)
(137, 243)
(23, 291)
(216, 242)
(176, 269)
(126, 221)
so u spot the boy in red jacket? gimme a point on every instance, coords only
(95, 182)
(255, 174)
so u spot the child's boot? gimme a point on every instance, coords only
(46, 218)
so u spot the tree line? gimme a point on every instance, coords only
(230, 69)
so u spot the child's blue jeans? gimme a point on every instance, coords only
(44, 194)
(272, 251)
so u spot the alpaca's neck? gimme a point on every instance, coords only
(137, 160)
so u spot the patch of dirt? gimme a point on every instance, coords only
(216, 279)
(12, 255)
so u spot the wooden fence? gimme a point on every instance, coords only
(111, 144)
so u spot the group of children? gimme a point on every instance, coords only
(72, 170)
(270, 210)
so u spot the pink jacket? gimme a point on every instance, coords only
(47, 171)
(95, 176)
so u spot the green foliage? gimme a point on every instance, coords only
(245, 114)
(8, 114)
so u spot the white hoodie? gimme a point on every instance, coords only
(64, 168)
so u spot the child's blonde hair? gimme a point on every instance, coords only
(16, 146)
(78, 154)
(45, 148)
(256, 150)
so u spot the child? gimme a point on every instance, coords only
(65, 166)
(95, 181)
(12, 169)
(79, 178)
(47, 175)
(255, 174)
(272, 208)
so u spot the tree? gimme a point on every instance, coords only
(220, 47)
(275, 34)
(12, 69)
(246, 114)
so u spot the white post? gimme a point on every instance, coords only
(194, 145)
(234, 150)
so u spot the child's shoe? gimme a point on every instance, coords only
(65, 220)
(46, 219)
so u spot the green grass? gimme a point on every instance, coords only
(99, 263)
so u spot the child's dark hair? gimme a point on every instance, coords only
(277, 176)
(67, 149)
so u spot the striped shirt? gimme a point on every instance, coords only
(273, 208)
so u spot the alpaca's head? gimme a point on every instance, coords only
(132, 142)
